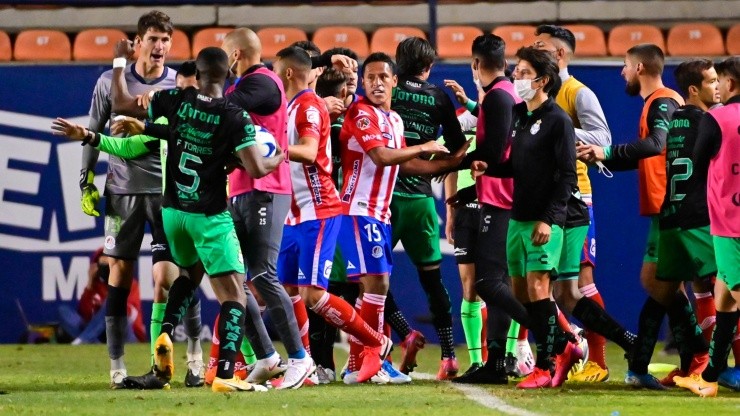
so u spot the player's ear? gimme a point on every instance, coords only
(693, 90)
(395, 80)
(289, 73)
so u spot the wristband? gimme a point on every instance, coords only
(119, 63)
(470, 105)
(607, 152)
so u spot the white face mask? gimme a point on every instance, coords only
(524, 88)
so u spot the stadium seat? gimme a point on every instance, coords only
(386, 39)
(96, 44)
(589, 40)
(212, 36)
(454, 42)
(623, 37)
(342, 36)
(733, 40)
(276, 38)
(180, 50)
(42, 45)
(692, 39)
(6, 52)
(515, 37)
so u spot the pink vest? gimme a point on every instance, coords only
(495, 191)
(723, 182)
(277, 182)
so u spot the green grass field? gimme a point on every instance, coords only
(64, 379)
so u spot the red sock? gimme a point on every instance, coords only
(484, 332)
(354, 361)
(523, 333)
(213, 356)
(705, 313)
(372, 310)
(596, 342)
(736, 347)
(301, 315)
(563, 322)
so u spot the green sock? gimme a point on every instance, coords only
(249, 356)
(155, 325)
(512, 337)
(472, 323)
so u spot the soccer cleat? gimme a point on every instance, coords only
(473, 368)
(195, 376)
(298, 370)
(590, 373)
(164, 363)
(483, 375)
(646, 381)
(325, 375)
(410, 347)
(537, 379)
(510, 364)
(379, 378)
(117, 378)
(564, 362)
(524, 359)
(223, 385)
(448, 368)
(580, 335)
(148, 381)
(266, 369)
(730, 378)
(697, 385)
(372, 358)
(668, 379)
(395, 376)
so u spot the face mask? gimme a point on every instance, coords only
(524, 88)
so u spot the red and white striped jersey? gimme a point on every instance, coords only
(314, 195)
(368, 188)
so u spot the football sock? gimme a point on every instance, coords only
(596, 341)
(596, 319)
(651, 317)
(116, 321)
(440, 307)
(705, 313)
(247, 351)
(719, 348)
(301, 316)
(230, 334)
(543, 322)
(316, 332)
(193, 326)
(512, 338)
(484, 331)
(372, 311)
(155, 324)
(395, 317)
(179, 299)
(736, 347)
(682, 313)
(495, 291)
(339, 313)
(470, 317)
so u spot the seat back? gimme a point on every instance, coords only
(42, 45)
(515, 37)
(623, 37)
(342, 36)
(212, 36)
(590, 40)
(274, 39)
(6, 50)
(96, 44)
(454, 42)
(386, 39)
(692, 39)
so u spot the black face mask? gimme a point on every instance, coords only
(103, 272)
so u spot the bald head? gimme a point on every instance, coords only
(244, 40)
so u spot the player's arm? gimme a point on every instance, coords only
(708, 143)
(126, 148)
(565, 157)
(308, 126)
(246, 151)
(420, 166)
(122, 102)
(594, 129)
(100, 111)
(454, 136)
(498, 108)
(450, 192)
(467, 121)
(257, 93)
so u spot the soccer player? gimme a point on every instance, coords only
(423, 108)
(588, 118)
(373, 147)
(643, 67)
(134, 193)
(716, 160)
(542, 163)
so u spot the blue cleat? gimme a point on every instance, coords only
(730, 378)
(645, 381)
(396, 376)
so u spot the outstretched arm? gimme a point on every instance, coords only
(122, 102)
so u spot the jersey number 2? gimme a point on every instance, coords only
(680, 176)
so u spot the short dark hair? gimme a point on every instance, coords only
(729, 67)
(330, 83)
(308, 46)
(154, 20)
(342, 51)
(558, 32)
(690, 73)
(544, 64)
(297, 56)
(651, 57)
(212, 63)
(379, 57)
(187, 69)
(414, 55)
(490, 51)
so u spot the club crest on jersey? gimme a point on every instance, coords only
(312, 115)
(110, 242)
(377, 252)
(363, 123)
(535, 127)
(387, 136)
(327, 268)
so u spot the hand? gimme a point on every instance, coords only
(433, 148)
(144, 99)
(124, 48)
(344, 63)
(335, 106)
(450, 224)
(458, 90)
(590, 153)
(129, 125)
(66, 128)
(478, 168)
(90, 199)
(540, 233)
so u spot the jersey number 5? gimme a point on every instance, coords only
(184, 158)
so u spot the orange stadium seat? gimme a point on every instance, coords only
(96, 44)
(691, 39)
(454, 42)
(515, 37)
(589, 40)
(733, 40)
(6, 52)
(180, 50)
(274, 39)
(385, 39)
(42, 45)
(212, 36)
(623, 37)
(342, 36)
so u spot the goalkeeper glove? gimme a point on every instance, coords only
(90, 194)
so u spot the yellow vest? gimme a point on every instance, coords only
(566, 99)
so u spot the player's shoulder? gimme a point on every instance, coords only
(360, 108)
(311, 99)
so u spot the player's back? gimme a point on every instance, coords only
(367, 188)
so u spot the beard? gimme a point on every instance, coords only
(632, 88)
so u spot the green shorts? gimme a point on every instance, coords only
(211, 239)
(570, 256)
(414, 221)
(338, 274)
(685, 254)
(727, 253)
(653, 237)
(523, 257)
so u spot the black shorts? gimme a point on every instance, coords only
(465, 233)
(125, 217)
(494, 226)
